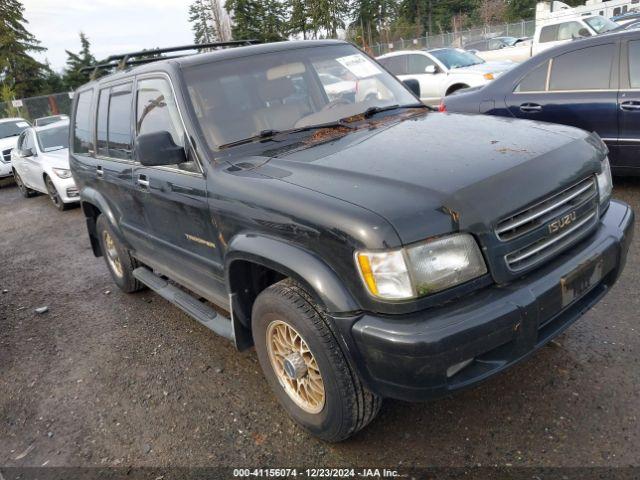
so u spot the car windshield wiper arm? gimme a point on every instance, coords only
(369, 112)
(269, 134)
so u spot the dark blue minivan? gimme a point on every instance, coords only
(592, 84)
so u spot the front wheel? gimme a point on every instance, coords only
(306, 367)
(54, 195)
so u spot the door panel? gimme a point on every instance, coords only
(627, 151)
(173, 201)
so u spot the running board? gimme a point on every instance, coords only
(202, 312)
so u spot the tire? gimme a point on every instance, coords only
(24, 190)
(54, 195)
(118, 258)
(346, 406)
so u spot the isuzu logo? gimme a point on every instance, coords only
(562, 222)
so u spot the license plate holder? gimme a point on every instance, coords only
(582, 279)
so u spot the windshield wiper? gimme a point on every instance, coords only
(269, 134)
(371, 111)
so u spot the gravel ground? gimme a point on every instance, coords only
(104, 378)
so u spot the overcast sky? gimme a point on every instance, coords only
(112, 26)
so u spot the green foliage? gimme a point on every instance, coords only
(7, 94)
(201, 17)
(73, 77)
(261, 20)
(17, 68)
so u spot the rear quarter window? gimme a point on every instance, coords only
(82, 138)
(535, 80)
(634, 64)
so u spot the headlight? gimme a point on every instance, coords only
(605, 183)
(62, 172)
(421, 269)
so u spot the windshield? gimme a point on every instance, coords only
(511, 41)
(41, 122)
(454, 58)
(55, 138)
(240, 98)
(601, 24)
(12, 129)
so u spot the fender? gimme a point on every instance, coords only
(295, 262)
(91, 196)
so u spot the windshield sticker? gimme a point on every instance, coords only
(359, 65)
(22, 124)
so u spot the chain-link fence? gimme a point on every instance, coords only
(459, 38)
(36, 107)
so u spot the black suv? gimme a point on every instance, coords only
(297, 197)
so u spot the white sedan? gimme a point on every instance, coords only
(442, 71)
(41, 164)
(10, 129)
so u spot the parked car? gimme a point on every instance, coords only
(42, 121)
(488, 48)
(592, 84)
(551, 34)
(442, 71)
(626, 18)
(361, 247)
(41, 164)
(10, 129)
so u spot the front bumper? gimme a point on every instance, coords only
(5, 169)
(407, 357)
(66, 188)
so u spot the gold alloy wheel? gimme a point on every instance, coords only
(295, 366)
(112, 254)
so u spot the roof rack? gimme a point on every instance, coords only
(122, 61)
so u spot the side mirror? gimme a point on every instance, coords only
(28, 152)
(413, 85)
(430, 69)
(157, 149)
(583, 32)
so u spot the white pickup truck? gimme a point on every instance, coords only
(549, 35)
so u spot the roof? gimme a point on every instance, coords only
(216, 56)
(12, 119)
(60, 123)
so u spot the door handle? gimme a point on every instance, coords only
(530, 107)
(630, 106)
(99, 171)
(143, 181)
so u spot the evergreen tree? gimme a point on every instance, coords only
(371, 17)
(200, 15)
(328, 16)
(299, 22)
(18, 70)
(261, 20)
(73, 77)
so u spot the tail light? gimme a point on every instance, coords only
(442, 107)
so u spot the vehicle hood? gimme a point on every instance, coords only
(442, 172)
(486, 67)
(56, 158)
(9, 142)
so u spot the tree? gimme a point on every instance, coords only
(200, 15)
(73, 77)
(261, 20)
(18, 69)
(373, 17)
(328, 16)
(299, 21)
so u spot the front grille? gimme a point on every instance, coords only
(548, 227)
(6, 155)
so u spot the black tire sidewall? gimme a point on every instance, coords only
(50, 185)
(329, 422)
(127, 281)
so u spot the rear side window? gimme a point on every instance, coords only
(396, 65)
(634, 64)
(101, 122)
(536, 80)
(119, 122)
(585, 69)
(82, 138)
(549, 34)
(418, 63)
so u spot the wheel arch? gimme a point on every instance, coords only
(94, 204)
(249, 254)
(455, 87)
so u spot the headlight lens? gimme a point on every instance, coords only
(605, 183)
(62, 172)
(421, 269)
